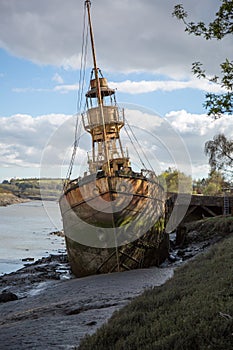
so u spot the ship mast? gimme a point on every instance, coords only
(88, 6)
(96, 71)
(103, 120)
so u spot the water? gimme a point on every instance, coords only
(25, 233)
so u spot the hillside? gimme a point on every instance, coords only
(48, 189)
(7, 198)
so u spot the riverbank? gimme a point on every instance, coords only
(55, 310)
(34, 188)
(7, 198)
(193, 310)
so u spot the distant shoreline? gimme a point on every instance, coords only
(10, 198)
(30, 189)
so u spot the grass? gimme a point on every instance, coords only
(208, 228)
(193, 310)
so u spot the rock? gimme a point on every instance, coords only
(92, 323)
(28, 259)
(188, 256)
(172, 258)
(181, 253)
(6, 296)
(185, 254)
(192, 236)
(58, 233)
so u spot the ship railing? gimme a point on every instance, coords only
(111, 114)
(150, 175)
(80, 181)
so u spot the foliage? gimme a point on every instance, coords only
(223, 103)
(213, 185)
(220, 152)
(34, 188)
(199, 185)
(193, 310)
(218, 29)
(174, 180)
(205, 229)
(216, 104)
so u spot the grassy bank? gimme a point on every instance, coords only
(193, 310)
(203, 230)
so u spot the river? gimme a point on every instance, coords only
(25, 233)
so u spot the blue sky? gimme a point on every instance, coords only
(31, 87)
(149, 65)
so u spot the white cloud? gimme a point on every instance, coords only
(177, 140)
(66, 88)
(138, 87)
(200, 170)
(57, 78)
(195, 130)
(50, 32)
(71, 62)
(199, 124)
(23, 138)
(63, 89)
(46, 142)
(135, 87)
(29, 89)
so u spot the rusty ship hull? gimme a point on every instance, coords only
(113, 224)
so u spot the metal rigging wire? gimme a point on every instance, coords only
(81, 84)
(139, 146)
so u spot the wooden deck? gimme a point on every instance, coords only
(199, 206)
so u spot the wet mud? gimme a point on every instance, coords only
(57, 314)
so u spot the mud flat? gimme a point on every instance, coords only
(57, 314)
